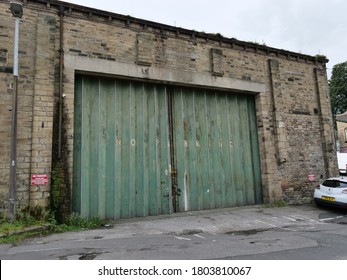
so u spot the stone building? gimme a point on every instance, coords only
(341, 124)
(128, 117)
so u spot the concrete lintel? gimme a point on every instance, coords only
(173, 76)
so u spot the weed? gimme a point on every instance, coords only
(276, 203)
(56, 192)
(22, 228)
(321, 58)
(19, 237)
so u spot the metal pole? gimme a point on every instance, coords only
(16, 39)
(13, 163)
(61, 74)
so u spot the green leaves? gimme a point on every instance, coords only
(338, 89)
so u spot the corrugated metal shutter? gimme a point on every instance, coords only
(144, 149)
(121, 153)
(216, 149)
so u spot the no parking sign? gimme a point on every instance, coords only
(39, 179)
(311, 177)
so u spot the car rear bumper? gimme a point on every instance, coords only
(338, 204)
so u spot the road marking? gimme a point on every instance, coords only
(332, 218)
(327, 219)
(197, 235)
(274, 226)
(182, 238)
(303, 218)
(288, 218)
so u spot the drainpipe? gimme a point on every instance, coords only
(17, 12)
(61, 76)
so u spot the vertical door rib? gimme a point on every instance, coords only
(175, 192)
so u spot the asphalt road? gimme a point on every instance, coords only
(244, 233)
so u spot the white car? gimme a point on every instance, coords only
(332, 192)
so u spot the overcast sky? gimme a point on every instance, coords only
(305, 26)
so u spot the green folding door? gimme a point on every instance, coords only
(216, 149)
(145, 149)
(121, 153)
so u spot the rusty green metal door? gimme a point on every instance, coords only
(216, 154)
(121, 152)
(144, 149)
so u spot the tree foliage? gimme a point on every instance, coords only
(338, 89)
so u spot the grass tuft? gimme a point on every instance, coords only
(26, 226)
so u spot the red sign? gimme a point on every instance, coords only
(311, 177)
(39, 179)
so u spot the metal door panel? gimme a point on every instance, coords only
(121, 153)
(216, 149)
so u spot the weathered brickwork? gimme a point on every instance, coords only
(293, 108)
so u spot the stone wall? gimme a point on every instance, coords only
(342, 131)
(292, 101)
